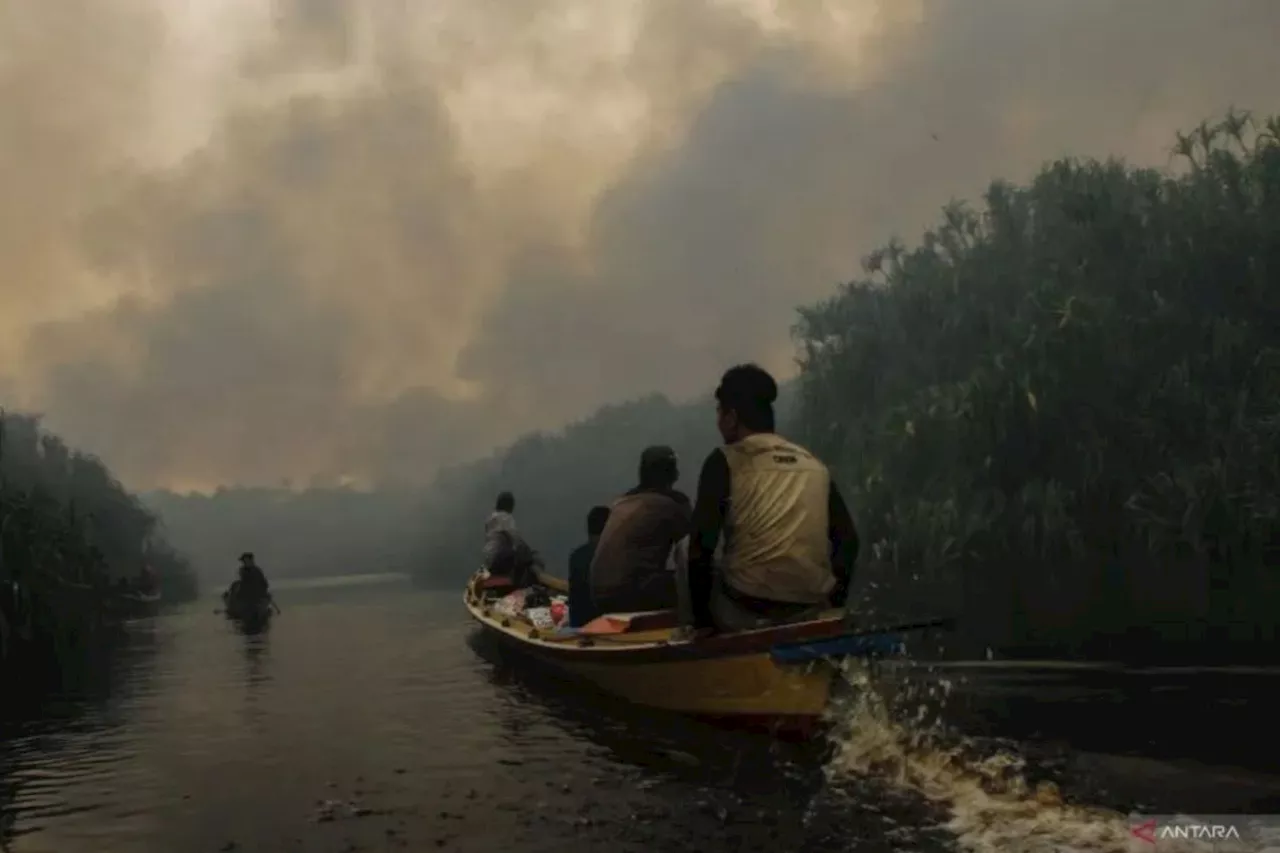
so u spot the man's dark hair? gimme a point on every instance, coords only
(506, 502)
(597, 518)
(658, 467)
(749, 390)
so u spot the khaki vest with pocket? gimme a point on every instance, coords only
(776, 545)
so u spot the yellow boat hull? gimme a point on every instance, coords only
(743, 685)
(733, 679)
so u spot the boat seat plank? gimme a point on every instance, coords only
(631, 623)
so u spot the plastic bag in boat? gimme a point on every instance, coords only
(540, 617)
(511, 605)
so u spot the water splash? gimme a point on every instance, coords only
(993, 802)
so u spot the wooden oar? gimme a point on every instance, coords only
(552, 583)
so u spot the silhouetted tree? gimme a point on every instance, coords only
(68, 532)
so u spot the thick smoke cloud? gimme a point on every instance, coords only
(75, 78)
(452, 230)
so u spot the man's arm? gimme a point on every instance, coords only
(844, 544)
(708, 520)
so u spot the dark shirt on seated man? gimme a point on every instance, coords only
(252, 580)
(581, 607)
(629, 572)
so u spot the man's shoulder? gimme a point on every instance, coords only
(717, 454)
(644, 493)
(715, 470)
(797, 447)
(676, 504)
(678, 498)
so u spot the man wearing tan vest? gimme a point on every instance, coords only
(789, 541)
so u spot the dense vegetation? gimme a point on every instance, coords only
(1070, 401)
(1065, 406)
(69, 535)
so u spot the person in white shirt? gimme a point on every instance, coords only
(501, 521)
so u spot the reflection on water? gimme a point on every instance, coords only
(655, 742)
(256, 646)
(376, 719)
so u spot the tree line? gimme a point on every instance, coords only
(72, 540)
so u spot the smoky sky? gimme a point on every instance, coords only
(479, 221)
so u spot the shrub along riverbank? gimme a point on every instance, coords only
(1068, 403)
(73, 545)
(1059, 414)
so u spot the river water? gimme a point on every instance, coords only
(370, 718)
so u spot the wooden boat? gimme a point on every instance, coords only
(256, 611)
(777, 679)
(136, 605)
(552, 583)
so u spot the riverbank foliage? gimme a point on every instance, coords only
(71, 538)
(1068, 402)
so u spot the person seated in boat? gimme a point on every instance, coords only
(789, 542)
(514, 559)
(252, 582)
(147, 582)
(629, 572)
(501, 520)
(581, 607)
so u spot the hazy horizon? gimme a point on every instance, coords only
(319, 243)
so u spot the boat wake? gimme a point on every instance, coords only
(992, 801)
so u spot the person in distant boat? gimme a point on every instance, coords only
(515, 560)
(789, 542)
(501, 520)
(147, 579)
(581, 607)
(252, 582)
(630, 570)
